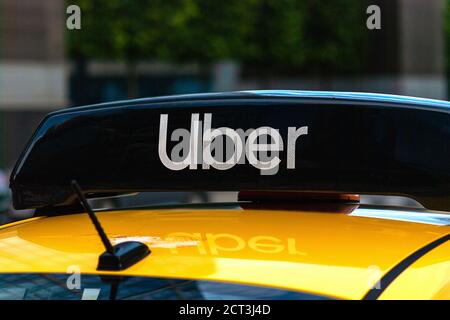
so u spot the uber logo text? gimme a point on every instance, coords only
(195, 148)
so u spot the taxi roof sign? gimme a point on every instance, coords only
(331, 142)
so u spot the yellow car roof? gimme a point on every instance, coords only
(325, 252)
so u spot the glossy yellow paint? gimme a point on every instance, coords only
(427, 278)
(333, 254)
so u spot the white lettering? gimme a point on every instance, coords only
(205, 145)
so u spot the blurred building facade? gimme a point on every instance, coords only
(33, 77)
(99, 81)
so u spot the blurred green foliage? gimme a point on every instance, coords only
(311, 36)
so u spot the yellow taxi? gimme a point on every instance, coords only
(300, 161)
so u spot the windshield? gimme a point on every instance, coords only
(94, 287)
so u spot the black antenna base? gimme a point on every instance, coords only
(120, 256)
(125, 255)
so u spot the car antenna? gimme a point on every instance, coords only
(120, 256)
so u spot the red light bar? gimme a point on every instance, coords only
(294, 196)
